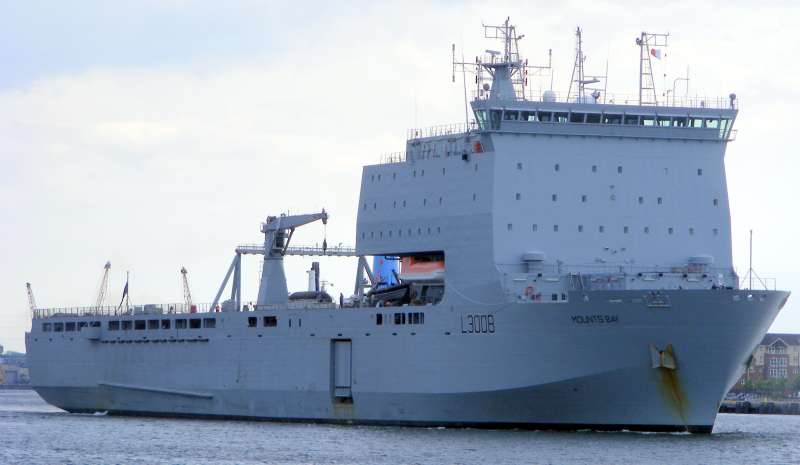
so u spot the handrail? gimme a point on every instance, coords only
(716, 103)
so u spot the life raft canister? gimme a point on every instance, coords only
(477, 147)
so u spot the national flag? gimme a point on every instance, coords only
(656, 53)
(124, 294)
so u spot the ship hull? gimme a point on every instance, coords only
(582, 364)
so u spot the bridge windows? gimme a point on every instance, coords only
(528, 116)
(195, 323)
(576, 117)
(631, 119)
(47, 327)
(647, 120)
(270, 321)
(165, 324)
(152, 324)
(545, 116)
(252, 322)
(663, 121)
(127, 325)
(612, 119)
(593, 118)
(712, 123)
(113, 325)
(180, 324)
(510, 115)
(70, 326)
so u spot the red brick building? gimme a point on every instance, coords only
(776, 357)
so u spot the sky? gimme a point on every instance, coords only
(159, 134)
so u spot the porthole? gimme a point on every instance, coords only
(557, 167)
(670, 230)
(509, 226)
(535, 227)
(716, 202)
(583, 198)
(641, 200)
(594, 168)
(474, 197)
(647, 229)
(555, 197)
(601, 228)
(580, 228)
(555, 228)
(625, 230)
(619, 170)
(518, 196)
(699, 171)
(519, 166)
(691, 231)
(660, 201)
(716, 231)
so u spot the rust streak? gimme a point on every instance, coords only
(671, 386)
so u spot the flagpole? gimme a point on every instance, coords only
(128, 294)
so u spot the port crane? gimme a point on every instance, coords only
(31, 299)
(187, 294)
(101, 294)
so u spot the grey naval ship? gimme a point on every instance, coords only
(554, 262)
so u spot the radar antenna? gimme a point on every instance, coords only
(649, 45)
(187, 294)
(31, 299)
(101, 294)
(505, 70)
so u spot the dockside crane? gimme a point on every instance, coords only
(31, 300)
(101, 294)
(187, 294)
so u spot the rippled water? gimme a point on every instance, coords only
(32, 432)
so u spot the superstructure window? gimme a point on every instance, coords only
(58, 327)
(580, 228)
(557, 167)
(577, 117)
(712, 123)
(152, 324)
(612, 119)
(113, 325)
(699, 171)
(664, 121)
(535, 227)
(670, 231)
(528, 116)
(379, 319)
(195, 323)
(511, 115)
(518, 196)
(180, 324)
(560, 117)
(270, 321)
(593, 118)
(680, 121)
(70, 326)
(47, 327)
(716, 202)
(583, 198)
(494, 116)
(209, 322)
(127, 325)
(696, 122)
(252, 322)
(140, 325)
(631, 119)
(647, 121)
(545, 116)
(555, 197)
(165, 324)
(82, 324)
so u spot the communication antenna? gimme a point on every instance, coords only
(579, 82)
(187, 294)
(649, 46)
(101, 294)
(31, 299)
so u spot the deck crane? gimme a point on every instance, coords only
(187, 294)
(272, 290)
(101, 294)
(31, 300)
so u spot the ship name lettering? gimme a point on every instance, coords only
(595, 319)
(474, 324)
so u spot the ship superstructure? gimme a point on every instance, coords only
(564, 263)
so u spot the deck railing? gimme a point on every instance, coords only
(611, 98)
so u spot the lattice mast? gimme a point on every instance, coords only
(101, 294)
(579, 82)
(649, 45)
(31, 299)
(503, 73)
(187, 294)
